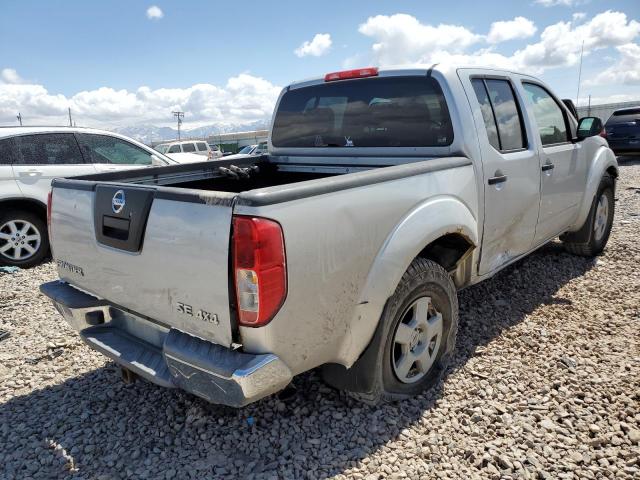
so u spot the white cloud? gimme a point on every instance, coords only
(9, 75)
(244, 98)
(318, 46)
(625, 71)
(519, 27)
(555, 3)
(154, 13)
(401, 38)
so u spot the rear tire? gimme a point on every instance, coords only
(416, 336)
(24, 241)
(597, 227)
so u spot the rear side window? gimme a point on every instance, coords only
(549, 117)
(47, 149)
(487, 112)
(106, 149)
(202, 147)
(188, 147)
(7, 151)
(174, 149)
(501, 114)
(628, 115)
(373, 112)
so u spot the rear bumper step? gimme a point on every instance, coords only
(169, 357)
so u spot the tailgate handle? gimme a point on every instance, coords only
(114, 227)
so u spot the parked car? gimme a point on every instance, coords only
(257, 149)
(623, 131)
(30, 157)
(194, 147)
(383, 193)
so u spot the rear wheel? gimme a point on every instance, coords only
(597, 228)
(415, 337)
(23, 239)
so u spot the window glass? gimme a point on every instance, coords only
(47, 149)
(487, 112)
(106, 149)
(202, 147)
(188, 147)
(7, 151)
(506, 113)
(372, 112)
(548, 114)
(174, 149)
(161, 148)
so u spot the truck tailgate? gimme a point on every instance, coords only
(159, 252)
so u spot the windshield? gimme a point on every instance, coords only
(373, 112)
(246, 149)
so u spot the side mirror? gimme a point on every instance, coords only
(589, 127)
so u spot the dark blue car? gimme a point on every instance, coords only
(623, 131)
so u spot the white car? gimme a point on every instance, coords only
(31, 157)
(194, 147)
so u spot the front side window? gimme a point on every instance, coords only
(188, 147)
(106, 149)
(372, 112)
(548, 114)
(47, 149)
(174, 149)
(202, 147)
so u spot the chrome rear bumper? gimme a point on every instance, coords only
(166, 356)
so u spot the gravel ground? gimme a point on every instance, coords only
(545, 384)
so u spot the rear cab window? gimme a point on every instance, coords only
(372, 112)
(188, 147)
(202, 147)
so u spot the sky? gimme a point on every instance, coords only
(133, 62)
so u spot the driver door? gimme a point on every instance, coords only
(112, 153)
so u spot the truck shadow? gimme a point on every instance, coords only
(116, 430)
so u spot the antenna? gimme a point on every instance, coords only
(579, 73)
(179, 116)
(19, 117)
(70, 121)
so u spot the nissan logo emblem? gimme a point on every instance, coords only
(117, 202)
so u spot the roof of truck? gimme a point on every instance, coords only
(446, 69)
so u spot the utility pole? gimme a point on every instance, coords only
(70, 121)
(579, 73)
(19, 117)
(589, 107)
(179, 116)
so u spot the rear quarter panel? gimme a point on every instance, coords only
(333, 243)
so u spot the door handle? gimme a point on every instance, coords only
(498, 179)
(548, 166)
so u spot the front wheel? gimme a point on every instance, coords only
(23, 239)
(597, 228)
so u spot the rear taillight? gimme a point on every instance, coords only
(346, 74)
(603, 132)
(259, 268)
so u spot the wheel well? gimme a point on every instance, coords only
(447, 250)
(29, 205)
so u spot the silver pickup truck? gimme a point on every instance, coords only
(383, 193)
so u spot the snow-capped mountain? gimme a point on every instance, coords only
(151, 134)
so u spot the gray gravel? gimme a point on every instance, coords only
(545, 384)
